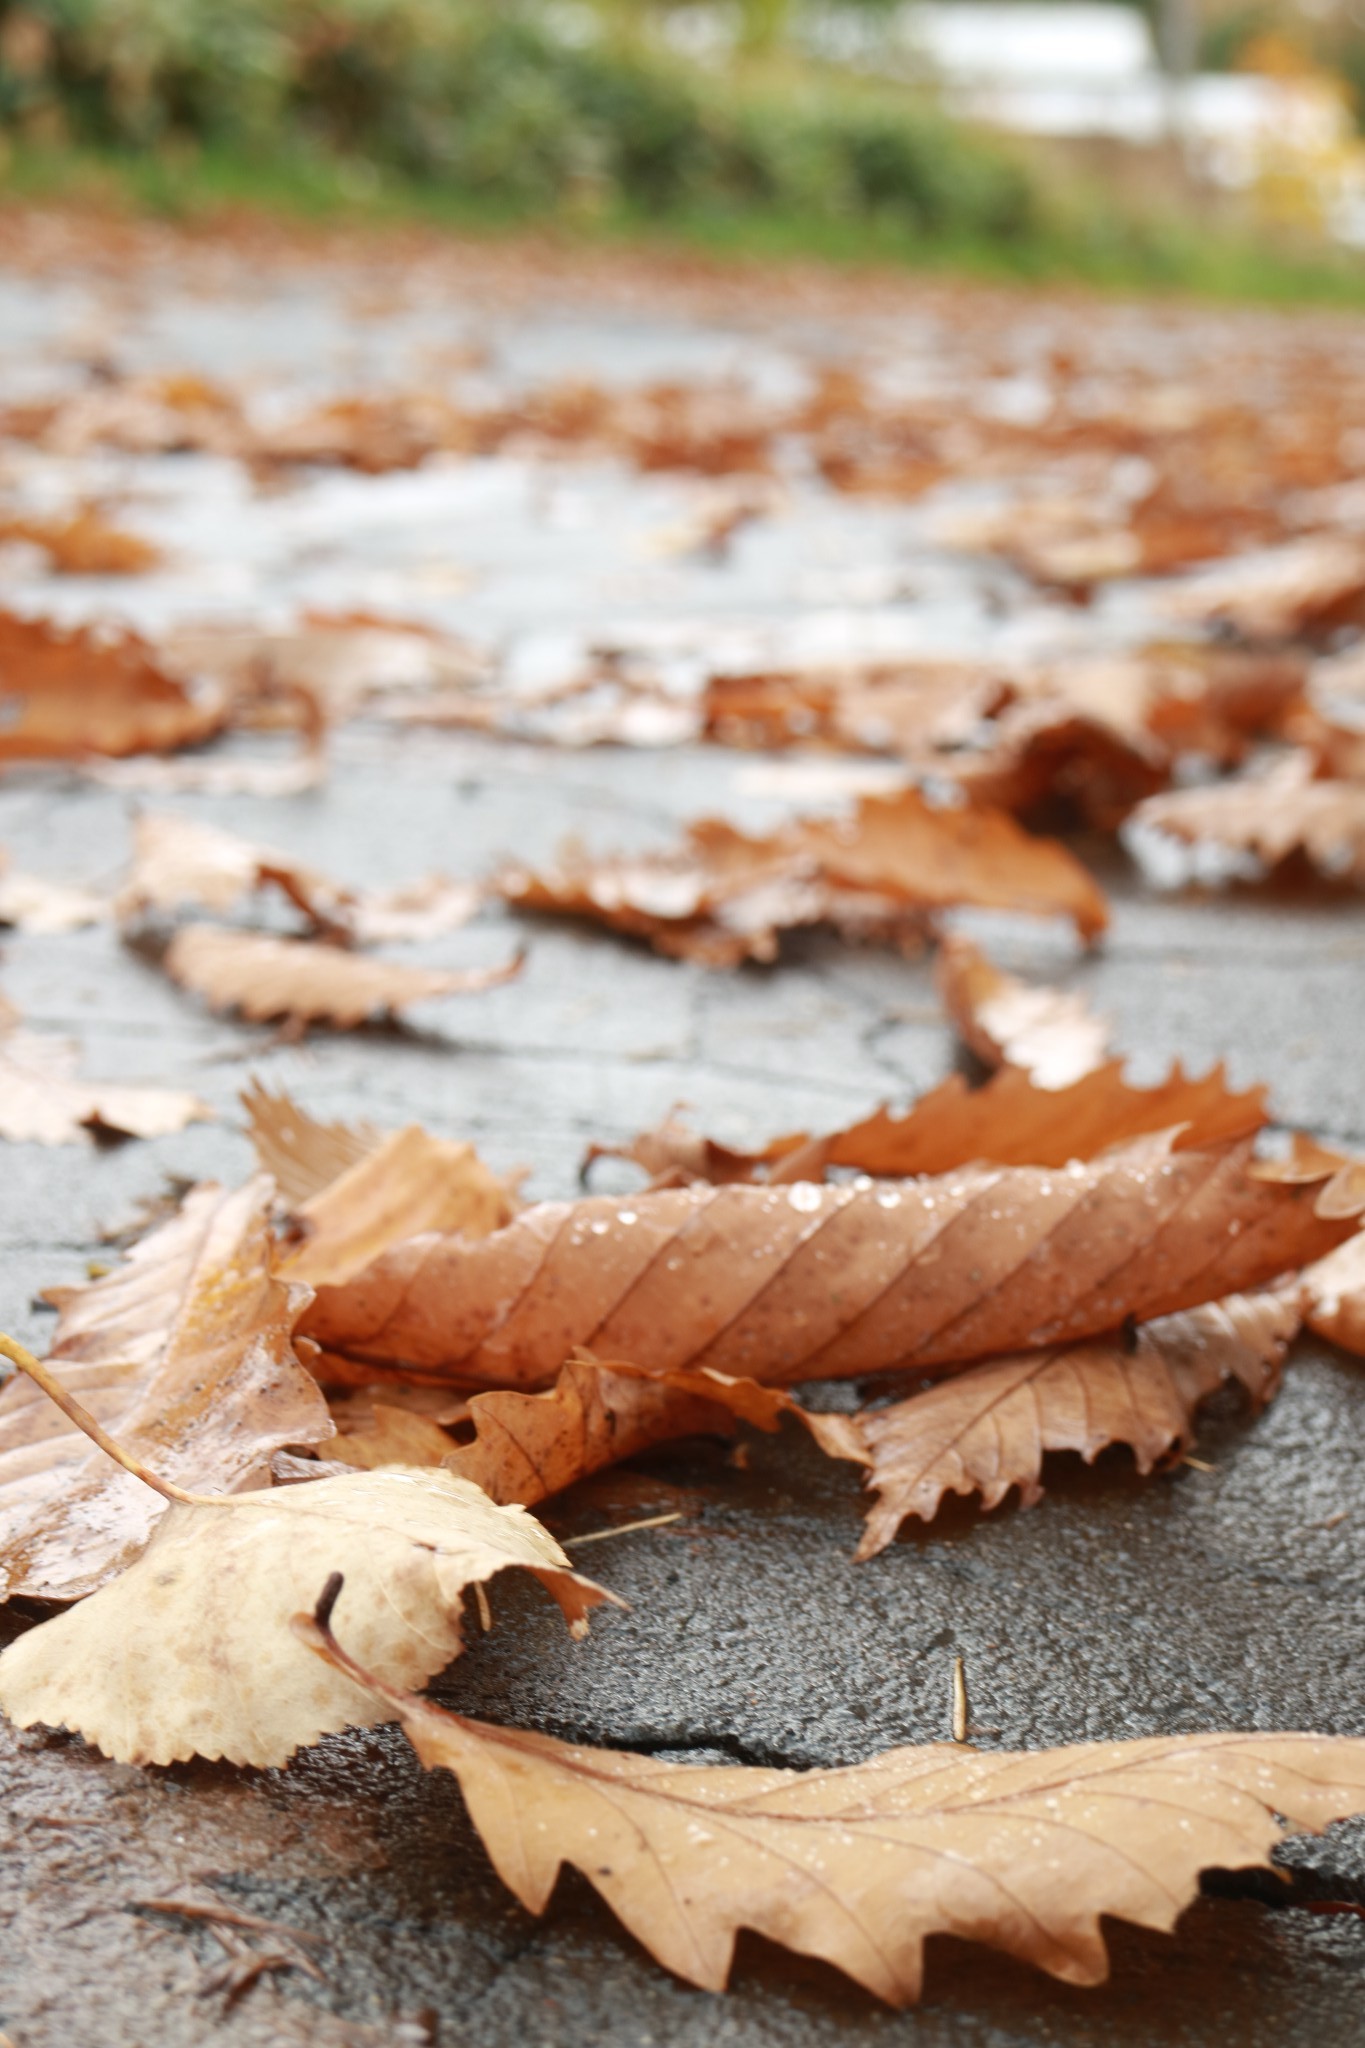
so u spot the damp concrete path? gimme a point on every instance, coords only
(1227, 1594)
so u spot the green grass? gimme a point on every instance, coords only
(1101, 247)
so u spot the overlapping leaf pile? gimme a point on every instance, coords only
(363, 1367)
(415, 1359)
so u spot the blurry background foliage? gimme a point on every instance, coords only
(715, 118)
(536, 107)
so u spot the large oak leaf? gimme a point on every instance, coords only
(185, 1354)
(811, 1282)
(986, 1430)
(1025, 1852)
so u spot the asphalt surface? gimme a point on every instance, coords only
(1230, 1597)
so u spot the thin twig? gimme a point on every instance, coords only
(485, 1612)
(193, 1909)
(626, 1529)
(86, 1423)
(959, 1701)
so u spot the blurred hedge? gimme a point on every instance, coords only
(492, 100)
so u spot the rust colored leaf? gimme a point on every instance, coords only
(189, 1652)
(1011, 1121)
(1334, 1294)
(723, 897)
(185, 1354)
(305, 983)
(1054, 1037)
(529, 1446)
(65, 694)
(810, 1282)
(987, 1430)
(858, 1866)
(904, 708)
(1270, 818)
(42, 1101)
(84, 544)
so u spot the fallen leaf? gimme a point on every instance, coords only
(43, 1102)
(31, 903)
(986, 1430)
(1054, 1037)
(905, 708)
(189, 1651)
(529, 1446)
(1269, 817)
(809, 1282)
(859, 1865)
(1043, 757)
(185, 1354)
(349, 661)
(411, 1182)
(178, 860)
(412, 912)
(305, 983)
(1334, 1295)
(84, 544)
(1309, 586)
(723, 897)
(1010, 1121)
(64, 694)
(304, 1155)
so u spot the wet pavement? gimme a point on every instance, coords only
(1205, 1598)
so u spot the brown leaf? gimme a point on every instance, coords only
(1309, 586)
(84, 544)
(304, 1155)
(1270, 817)
(904, 708)
(723, 897)
(987, 1430)
(185, 1353)
(809, 1282)
(307, 983)
(1011, 1121)
(69, 693)
(178, 860)
(410, 1183)
(859, 1865)
(189, 1652)
(1054, 1037)
(348, 661)
(1334, 1293)
(1097, 735)
(43, 1102)
(1044, 756)
(529, 1446)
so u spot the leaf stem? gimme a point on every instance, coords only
(85, 1421)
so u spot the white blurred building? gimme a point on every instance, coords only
(1085, 70)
